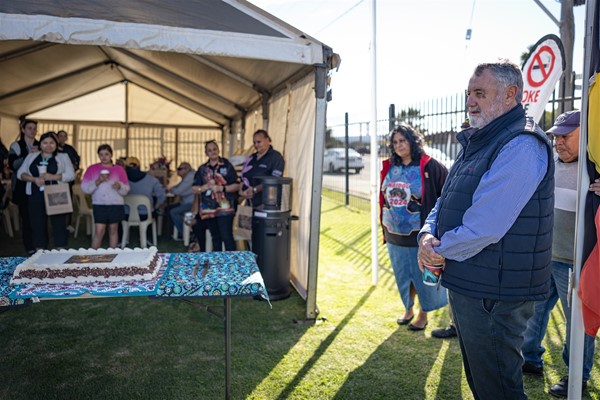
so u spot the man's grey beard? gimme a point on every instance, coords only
(485, 118)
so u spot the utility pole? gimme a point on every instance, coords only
(567, 36)
(566, 27)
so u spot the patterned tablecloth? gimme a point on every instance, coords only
(216, 274)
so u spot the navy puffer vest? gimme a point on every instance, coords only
(517, 268)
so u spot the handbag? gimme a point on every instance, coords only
(57, 199)
(242, 222)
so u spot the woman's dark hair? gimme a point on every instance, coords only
(209, 142)
(51, 135)
(262, 132)
(23, 124)
(105, 147)
(415, 139)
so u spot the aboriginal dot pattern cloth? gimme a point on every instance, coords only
(7, 267)
(217, 274)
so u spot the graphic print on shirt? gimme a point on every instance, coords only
(400, 185)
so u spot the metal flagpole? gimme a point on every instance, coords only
(374, 150)
(576, 344)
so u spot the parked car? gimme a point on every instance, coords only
(335, 160)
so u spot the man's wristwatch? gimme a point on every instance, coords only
(254, 189)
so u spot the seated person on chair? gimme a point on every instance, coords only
(183, 189)
(145, 184)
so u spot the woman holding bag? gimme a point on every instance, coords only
(41, 168)
(215, 187)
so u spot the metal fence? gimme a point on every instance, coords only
(438, 119)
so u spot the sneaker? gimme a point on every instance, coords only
(561, 389)
(530, 369)
(70, 229)
(444, 333)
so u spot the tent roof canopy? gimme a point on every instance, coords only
(217, 59)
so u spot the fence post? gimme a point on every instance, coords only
(346, 144)
(391, 117)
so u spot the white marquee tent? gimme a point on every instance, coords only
(144, 67)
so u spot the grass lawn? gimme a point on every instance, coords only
(137, 348)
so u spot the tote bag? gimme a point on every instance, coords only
(242, 223)
(58, 199)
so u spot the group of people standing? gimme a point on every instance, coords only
(218, 188)
(210, 193)
(36, 164)
(489, 222)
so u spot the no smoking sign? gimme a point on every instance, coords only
(541, 66)
(541, 71)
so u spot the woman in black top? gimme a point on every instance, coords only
(264, 162)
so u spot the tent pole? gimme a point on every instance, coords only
(374, 150)
(312, 309)
(126, 118)
(576, 344)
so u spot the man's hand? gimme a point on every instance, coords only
(427, 255)
(595, 187)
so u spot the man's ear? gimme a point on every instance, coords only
(510, 94)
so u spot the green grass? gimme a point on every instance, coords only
(137, 348)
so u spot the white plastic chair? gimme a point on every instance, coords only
(133, 201)
(186, 234)
(83, 211)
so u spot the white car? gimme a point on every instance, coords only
(335, 160)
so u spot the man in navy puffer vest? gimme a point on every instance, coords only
(492, 229)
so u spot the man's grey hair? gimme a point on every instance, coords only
(506, 73)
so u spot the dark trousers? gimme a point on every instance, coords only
(199, 230)
(26, 233)
(222, 226)
(39, 224)
(490, 334)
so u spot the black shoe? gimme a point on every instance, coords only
(530, 369)
(405, 321)
(445, 333)
(561, 389)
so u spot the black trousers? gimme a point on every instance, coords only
(39, 224)
(26, 233)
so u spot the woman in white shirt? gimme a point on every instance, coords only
(41, 168)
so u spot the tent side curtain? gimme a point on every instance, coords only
(293, 112)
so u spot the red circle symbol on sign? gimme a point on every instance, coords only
(544, 69)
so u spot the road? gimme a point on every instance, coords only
(359, 184)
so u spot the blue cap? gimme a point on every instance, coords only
(565, 123)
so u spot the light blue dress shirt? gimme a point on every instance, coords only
(497, 201)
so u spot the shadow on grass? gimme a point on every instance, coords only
(400, 368)
(138, 348)
(285, 394)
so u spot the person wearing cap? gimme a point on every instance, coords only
(566, 142)
(143, 183)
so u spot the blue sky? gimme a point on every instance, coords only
(421, 48)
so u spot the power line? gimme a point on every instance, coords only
(339, 17)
